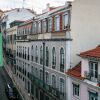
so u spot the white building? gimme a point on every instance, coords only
(12, 15)
(85, 77)
(52, 27)
(85, 27)
(18, 14)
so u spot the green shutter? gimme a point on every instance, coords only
(1, 53)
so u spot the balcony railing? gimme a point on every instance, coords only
(48, 89)
(62, 67)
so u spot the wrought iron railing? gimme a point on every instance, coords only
(48, 88)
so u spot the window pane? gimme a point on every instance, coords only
(75, 89)
(53, 58)
(61, 85)
(65, 20)
(61, 60)
(57, 23)
(50, 24)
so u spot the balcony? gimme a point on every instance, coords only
(48, 89)
(53, 66)
(91, 76)
(62, 67)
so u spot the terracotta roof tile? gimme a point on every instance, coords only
(91, 53)
(75, 72)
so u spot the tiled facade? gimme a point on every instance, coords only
(46, 33)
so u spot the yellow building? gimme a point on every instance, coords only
(11, 43)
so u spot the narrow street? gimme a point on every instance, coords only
(4, 79)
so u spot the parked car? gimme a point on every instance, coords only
(11, 92)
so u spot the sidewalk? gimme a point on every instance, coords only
(16, 82)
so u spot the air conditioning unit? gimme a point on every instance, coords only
(87, 75)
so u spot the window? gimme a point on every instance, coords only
(37, 93)
(36, 54)
(20, 51)
(23, 31)
(44, 26)
(17, 50)
(32, 53)
(28, 54)
(53, 81)
(41, 55)
(47, 56)
(75, 90)
(93, 95)
(41, 75)
(49, 24)
(29, 30)
(39, 27)
(93, 69)
(57, 23)
(53, 58)
(36, 72)
(34, 27)
(25, 53)
(62, 60)
(62, 85)
(32, 70)
(65, 21)
(47, 78)
(32, 89)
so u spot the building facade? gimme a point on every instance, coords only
(84, 27)
(85, 77)
(11, 44)
(10, 16)
(42, 46)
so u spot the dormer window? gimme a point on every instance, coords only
(34, 27)
(44, 26)
(57, 23)
(65, 21)
(39, 27)
(93, 70)
(49, 24)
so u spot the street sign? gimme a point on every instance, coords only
(1, 53)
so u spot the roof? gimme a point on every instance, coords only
(26, 22)
(75, 72)
(31, 11)
(91, 53)
(17, 21)
(50, 9)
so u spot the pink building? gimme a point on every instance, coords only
(84, 78)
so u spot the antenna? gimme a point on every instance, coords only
(23, 4)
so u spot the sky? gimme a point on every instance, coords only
(36, 5)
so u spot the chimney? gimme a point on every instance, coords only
(48, 5)
(68, 2)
